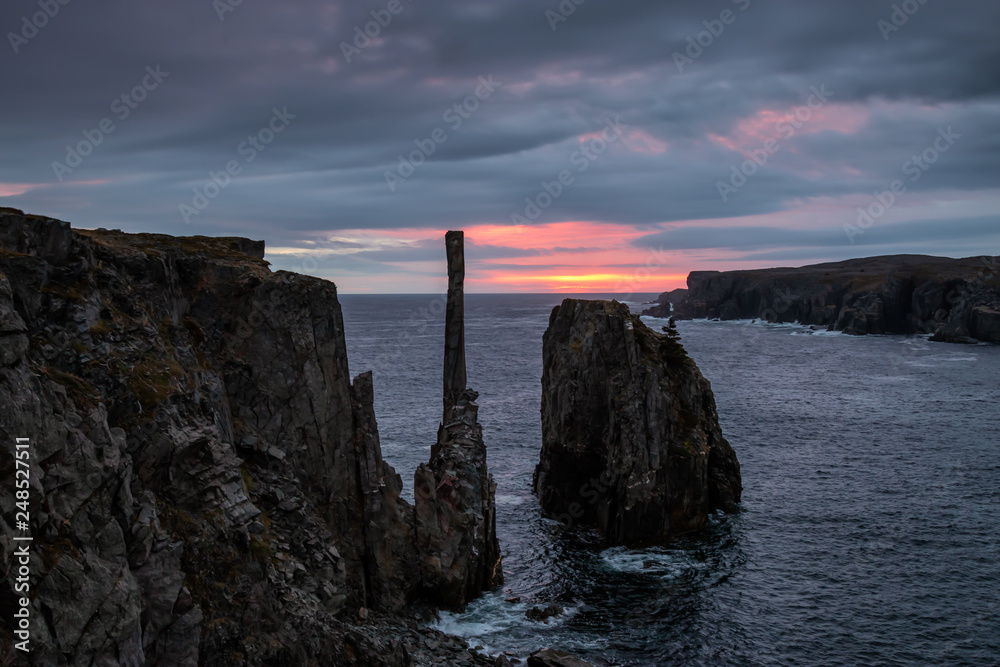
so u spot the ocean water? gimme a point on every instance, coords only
(870, 525)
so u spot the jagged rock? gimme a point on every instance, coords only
(984, 324)
(13, 334)
(543, 614)
(901, 294)
(548, 657)
(454, 493)
(864, 316)
(631, 440)
(207, 484)
(665, 303)
(391, 558)
(454, 333)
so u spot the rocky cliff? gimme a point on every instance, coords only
(631, 440)
(664, 302)
(954, 299)
(207, 485)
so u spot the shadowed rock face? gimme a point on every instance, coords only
(207, 483)
(664, 302)
(957, 300)
(454, 333)
(454, 493)
(548, 657)
(630, 436)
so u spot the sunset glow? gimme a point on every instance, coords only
(618, 147)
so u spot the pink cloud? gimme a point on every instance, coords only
(640, 141)
(783, 124)
(581, 256)
(13, 189)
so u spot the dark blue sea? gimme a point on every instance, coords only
(870, 524)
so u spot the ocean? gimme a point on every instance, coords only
(869, 531)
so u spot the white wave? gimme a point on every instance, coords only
(490, 621)
(488, 615)
(658, 562)
(509, 499)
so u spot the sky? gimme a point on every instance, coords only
(583, 145)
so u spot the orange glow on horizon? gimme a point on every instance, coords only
(571, 256)
(588, 282)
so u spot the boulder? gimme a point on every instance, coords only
(548, 657)
(543, 614)
(985, 324)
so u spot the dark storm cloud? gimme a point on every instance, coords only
(887, 234)
(352, 121)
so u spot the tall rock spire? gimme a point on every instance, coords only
(454, 325)
(454, 493)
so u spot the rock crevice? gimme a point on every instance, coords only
(208, 484)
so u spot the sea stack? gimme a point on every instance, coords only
(454, 492)
(631, 441)
(207, 483)
(454, 325)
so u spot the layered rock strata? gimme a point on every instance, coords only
(956, 300)
(207, 482)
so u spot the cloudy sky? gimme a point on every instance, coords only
(606, 145)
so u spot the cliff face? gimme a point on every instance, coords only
(631, 440)
(954, 299)
(207, 483)
(664, 302)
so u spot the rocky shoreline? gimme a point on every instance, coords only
(953, 300)
(207, 483)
